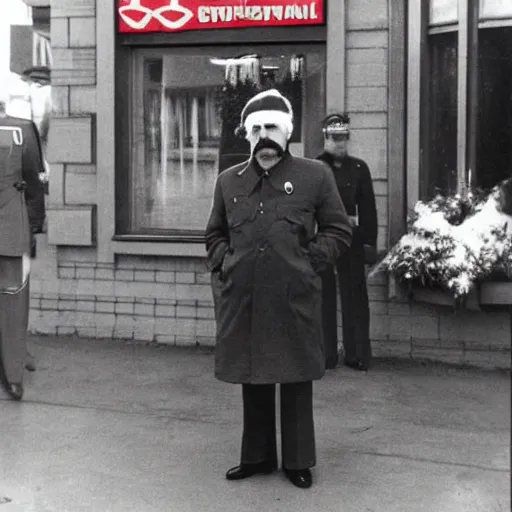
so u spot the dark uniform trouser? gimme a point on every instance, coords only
(297, 426)
(14, 310)
(355, 311)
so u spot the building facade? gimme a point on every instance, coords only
(142, 124)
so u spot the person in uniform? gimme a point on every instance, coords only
(354, 183)
(276, 222)
(22, 214)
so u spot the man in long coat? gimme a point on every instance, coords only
(355, 186)
(22, 214)
(275, 223)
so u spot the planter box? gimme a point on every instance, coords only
(432, 296)
(488, 295)
(436, 297)
(496, 294)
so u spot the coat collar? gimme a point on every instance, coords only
(250, 178)
(329, 159)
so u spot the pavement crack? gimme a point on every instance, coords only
(148, 413)
(433, 461)
(359, 430)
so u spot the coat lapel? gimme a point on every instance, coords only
(246, 180)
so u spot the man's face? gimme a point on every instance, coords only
(336, 145)
(267, 141)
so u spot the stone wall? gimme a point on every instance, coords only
(71, 146)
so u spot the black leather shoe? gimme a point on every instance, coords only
(16, 391)
(299, 477)
(357, 365)
(247, 470)
(331, 363)
(30, 364)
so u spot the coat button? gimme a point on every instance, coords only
(261, 249)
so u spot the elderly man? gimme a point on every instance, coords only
(275, 223)
(22, 214)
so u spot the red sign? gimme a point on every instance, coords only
(141, 16)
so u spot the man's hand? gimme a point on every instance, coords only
(353, 221)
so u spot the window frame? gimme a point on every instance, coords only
(128, 45)
(136, 150)
(467, 28)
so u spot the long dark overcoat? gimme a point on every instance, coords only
(22, 208)
(268, 235)
(21, 214)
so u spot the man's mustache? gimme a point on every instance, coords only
(267, 143)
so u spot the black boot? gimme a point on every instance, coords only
(247, 470)
(299, 477)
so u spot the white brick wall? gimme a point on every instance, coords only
(169, 303)
(168, 300)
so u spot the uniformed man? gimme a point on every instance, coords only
(22, 214)
(265, 254)
(355, 186)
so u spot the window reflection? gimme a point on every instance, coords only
(185, 116)
(495, 8)
(443, 11)
(494, 100)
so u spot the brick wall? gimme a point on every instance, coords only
(168, 300)
(165, 300)
(422, 331)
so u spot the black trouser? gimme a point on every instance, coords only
(297, 426)
(14, 308)
(355, 311)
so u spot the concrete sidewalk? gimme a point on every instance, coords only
(111, 426)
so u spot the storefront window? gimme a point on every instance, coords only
(465, 99)
(494, 141)
(441, 148)
(187, 104)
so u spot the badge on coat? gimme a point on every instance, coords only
(288, 187)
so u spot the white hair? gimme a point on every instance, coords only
(262, 117)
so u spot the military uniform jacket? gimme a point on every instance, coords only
(355, 186)
(21, 191)
(264, 252)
